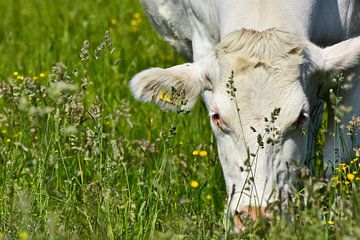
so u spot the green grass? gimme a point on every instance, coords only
(84, 160)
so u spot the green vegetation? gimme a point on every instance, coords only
(81, 159)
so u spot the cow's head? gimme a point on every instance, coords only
(259, 88)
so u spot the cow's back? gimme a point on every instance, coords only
(335, 21)
(324, 22)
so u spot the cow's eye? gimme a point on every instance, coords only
(219, 122)
(301, 120)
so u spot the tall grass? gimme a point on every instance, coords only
(80, 159)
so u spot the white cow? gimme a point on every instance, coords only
(262, 74)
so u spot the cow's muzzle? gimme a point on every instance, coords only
(240, 217)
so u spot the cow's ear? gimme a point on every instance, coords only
(172, 88)
(340, 56)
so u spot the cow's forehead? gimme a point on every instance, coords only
(266, 45)
(274, 50)
(264, 68)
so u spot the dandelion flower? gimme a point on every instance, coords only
(202, 153)
(134, 23)
(114, 21)
(4, 131)
(42, 75)
(15, 73)
(23, 235)
(8, 140)
(208, 197)
(351, 177)
(195, 152)
(194, 184)
(331, 222)
(137, 15)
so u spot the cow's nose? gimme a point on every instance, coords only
(244, 213)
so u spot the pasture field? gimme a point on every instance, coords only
(81, 159)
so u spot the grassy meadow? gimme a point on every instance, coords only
(81, 159)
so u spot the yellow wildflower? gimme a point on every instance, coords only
(208, 197)
(2, 235)
(15, 73)
(134, 22)
(343, 167)
(114, 21)
(4, 131)
(354, 160)
(331, 222)
(42, 75)
(20, 77)
(23, 235)
(351, 177)
(195, 152)
(202, 153)
(8, 140)
(137, 15)
(35, 78)
(18, 134)
(194, 184)
(164, 97)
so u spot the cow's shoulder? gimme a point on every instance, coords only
(170, 19)
(178, 21)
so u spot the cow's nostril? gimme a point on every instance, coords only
(239, 225)
(241, 217)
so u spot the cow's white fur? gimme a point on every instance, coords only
(341, 56)
(274, 66)
(190, 78)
